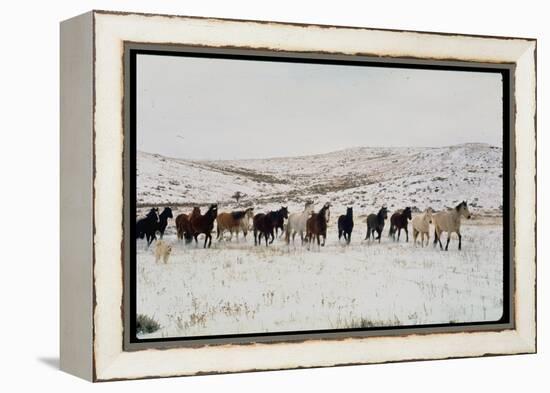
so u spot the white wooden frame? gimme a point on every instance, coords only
(92, 143)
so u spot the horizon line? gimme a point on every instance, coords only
(319, 154)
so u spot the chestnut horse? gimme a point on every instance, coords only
(233, 222)
(183, 225)
(316, 225)
(204, 224)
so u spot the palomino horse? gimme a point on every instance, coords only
(316, 225)
(400, 220)
(233, 222)
(345, 225)
(204, 224)
(297, 223)
(264, 224)
(421, 226)
(449, 221)
(375, 223)
(183, 225)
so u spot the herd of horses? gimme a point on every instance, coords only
(309, 224)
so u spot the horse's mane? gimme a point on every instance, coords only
(237, 215)
(457, 208)
(165, 212)
(321, 215)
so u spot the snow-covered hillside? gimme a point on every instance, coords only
(363, 177)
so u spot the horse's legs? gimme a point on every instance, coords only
(427, 238)
(398, 234)
(439, 240)
(448, 240)
(266, 235)
(459, 241)
(406, 233)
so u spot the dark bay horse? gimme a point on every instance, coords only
(345, 225)
(183, 225)
(316, 225)
(204, 224)
(375, 223)
(163, 220)
(264, 224)
(400, 220)
(147, 226)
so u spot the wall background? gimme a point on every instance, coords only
(29, 125)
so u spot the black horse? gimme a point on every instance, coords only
(345, 225)
(147, 226)
(264, 224)
(400, 220)
(163, 220)
(280, 224)
(375, 222)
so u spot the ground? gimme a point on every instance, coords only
(236, 288)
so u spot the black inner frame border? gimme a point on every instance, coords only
(306, 58)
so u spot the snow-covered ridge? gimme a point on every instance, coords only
(364, 177)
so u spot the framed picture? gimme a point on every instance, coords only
(246, 195)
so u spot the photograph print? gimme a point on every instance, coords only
(275, 196)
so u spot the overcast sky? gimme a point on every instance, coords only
(199, 108)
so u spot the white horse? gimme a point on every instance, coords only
(297, 223)
(421, 226)
(449, 221)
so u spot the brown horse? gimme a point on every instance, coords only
(400, 220)
(264, 224)
(183, 225)
(316, 225)
(204, 224)
(233, 222)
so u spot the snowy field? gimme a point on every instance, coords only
(235, 287)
